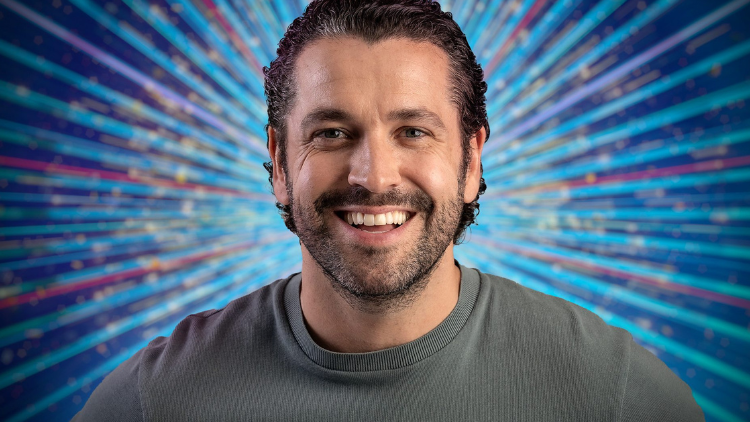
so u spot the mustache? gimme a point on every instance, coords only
(417, 200)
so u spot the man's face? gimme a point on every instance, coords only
(374, 137)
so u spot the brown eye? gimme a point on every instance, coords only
(331, 133)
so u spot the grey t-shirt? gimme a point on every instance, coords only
(505, 353)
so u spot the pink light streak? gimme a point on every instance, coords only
(626, 275)
(590, 88)
(236, 40)
(521, 25)
(110, 175)
(148, 83)
(703, 166)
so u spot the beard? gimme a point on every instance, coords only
(378, 279)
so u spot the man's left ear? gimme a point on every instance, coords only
(474, 169)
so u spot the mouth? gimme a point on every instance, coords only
(375, 223)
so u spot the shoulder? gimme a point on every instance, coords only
(596, 351)
(202, 345)
(549, 317)
(654, 393)
(117, 398)
(230, 328)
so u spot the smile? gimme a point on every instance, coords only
(375, 223)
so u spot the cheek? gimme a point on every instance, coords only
(318, 175)
(436, 177)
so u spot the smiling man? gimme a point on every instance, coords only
(371, 161)
(376, 126)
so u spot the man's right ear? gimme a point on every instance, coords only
(279, 176)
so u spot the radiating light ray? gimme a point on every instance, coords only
(701, 166)
(622, 70)
(102, 174)
(556, 14)
(731, 294)
(241, 69)
(696, 320)
(114, 329)
(72, 314)
(617, 172)
(664, 117)
(114, 127)
(112, 363)
(135, 75)
(513, 218)
(117, 99)
(155, 204)
(120, 185)
(663, 214)
(553, 83)
(514, 26)
(622, 103)
(112, 156)
(644, 153)
(235, 30)
(494, 24)
(634, 248)
(192, 51)
(649, 336)
(120, 226)
(584, 26)
(264, 24)
(632, 187)
(67, 283)
(641, 241)
(65, 251)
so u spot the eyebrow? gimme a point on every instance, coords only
(417, 114)
(337, 115)
(325, 115)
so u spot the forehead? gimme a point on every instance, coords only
(389, 74)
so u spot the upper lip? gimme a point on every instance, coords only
(373, 210)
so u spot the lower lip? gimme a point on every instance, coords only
(372, 238)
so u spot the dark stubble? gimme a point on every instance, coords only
(374, 279)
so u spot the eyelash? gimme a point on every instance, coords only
(320, 133)
(422, 133)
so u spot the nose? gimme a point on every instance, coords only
(374, 165)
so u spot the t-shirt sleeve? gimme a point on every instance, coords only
(117, 398)
(654, 393)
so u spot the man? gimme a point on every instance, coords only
(376, 126)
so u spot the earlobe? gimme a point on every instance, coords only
(474, 170)
(279, 176)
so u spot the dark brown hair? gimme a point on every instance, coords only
(373, 21)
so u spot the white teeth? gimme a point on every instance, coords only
(393, 217)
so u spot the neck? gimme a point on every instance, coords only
(338, 326)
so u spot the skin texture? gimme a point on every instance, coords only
(352, 146)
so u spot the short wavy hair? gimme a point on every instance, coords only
(373, 21)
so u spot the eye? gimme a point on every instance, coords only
(330, 134)
(413, 133)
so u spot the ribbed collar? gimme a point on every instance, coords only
(394, 357)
